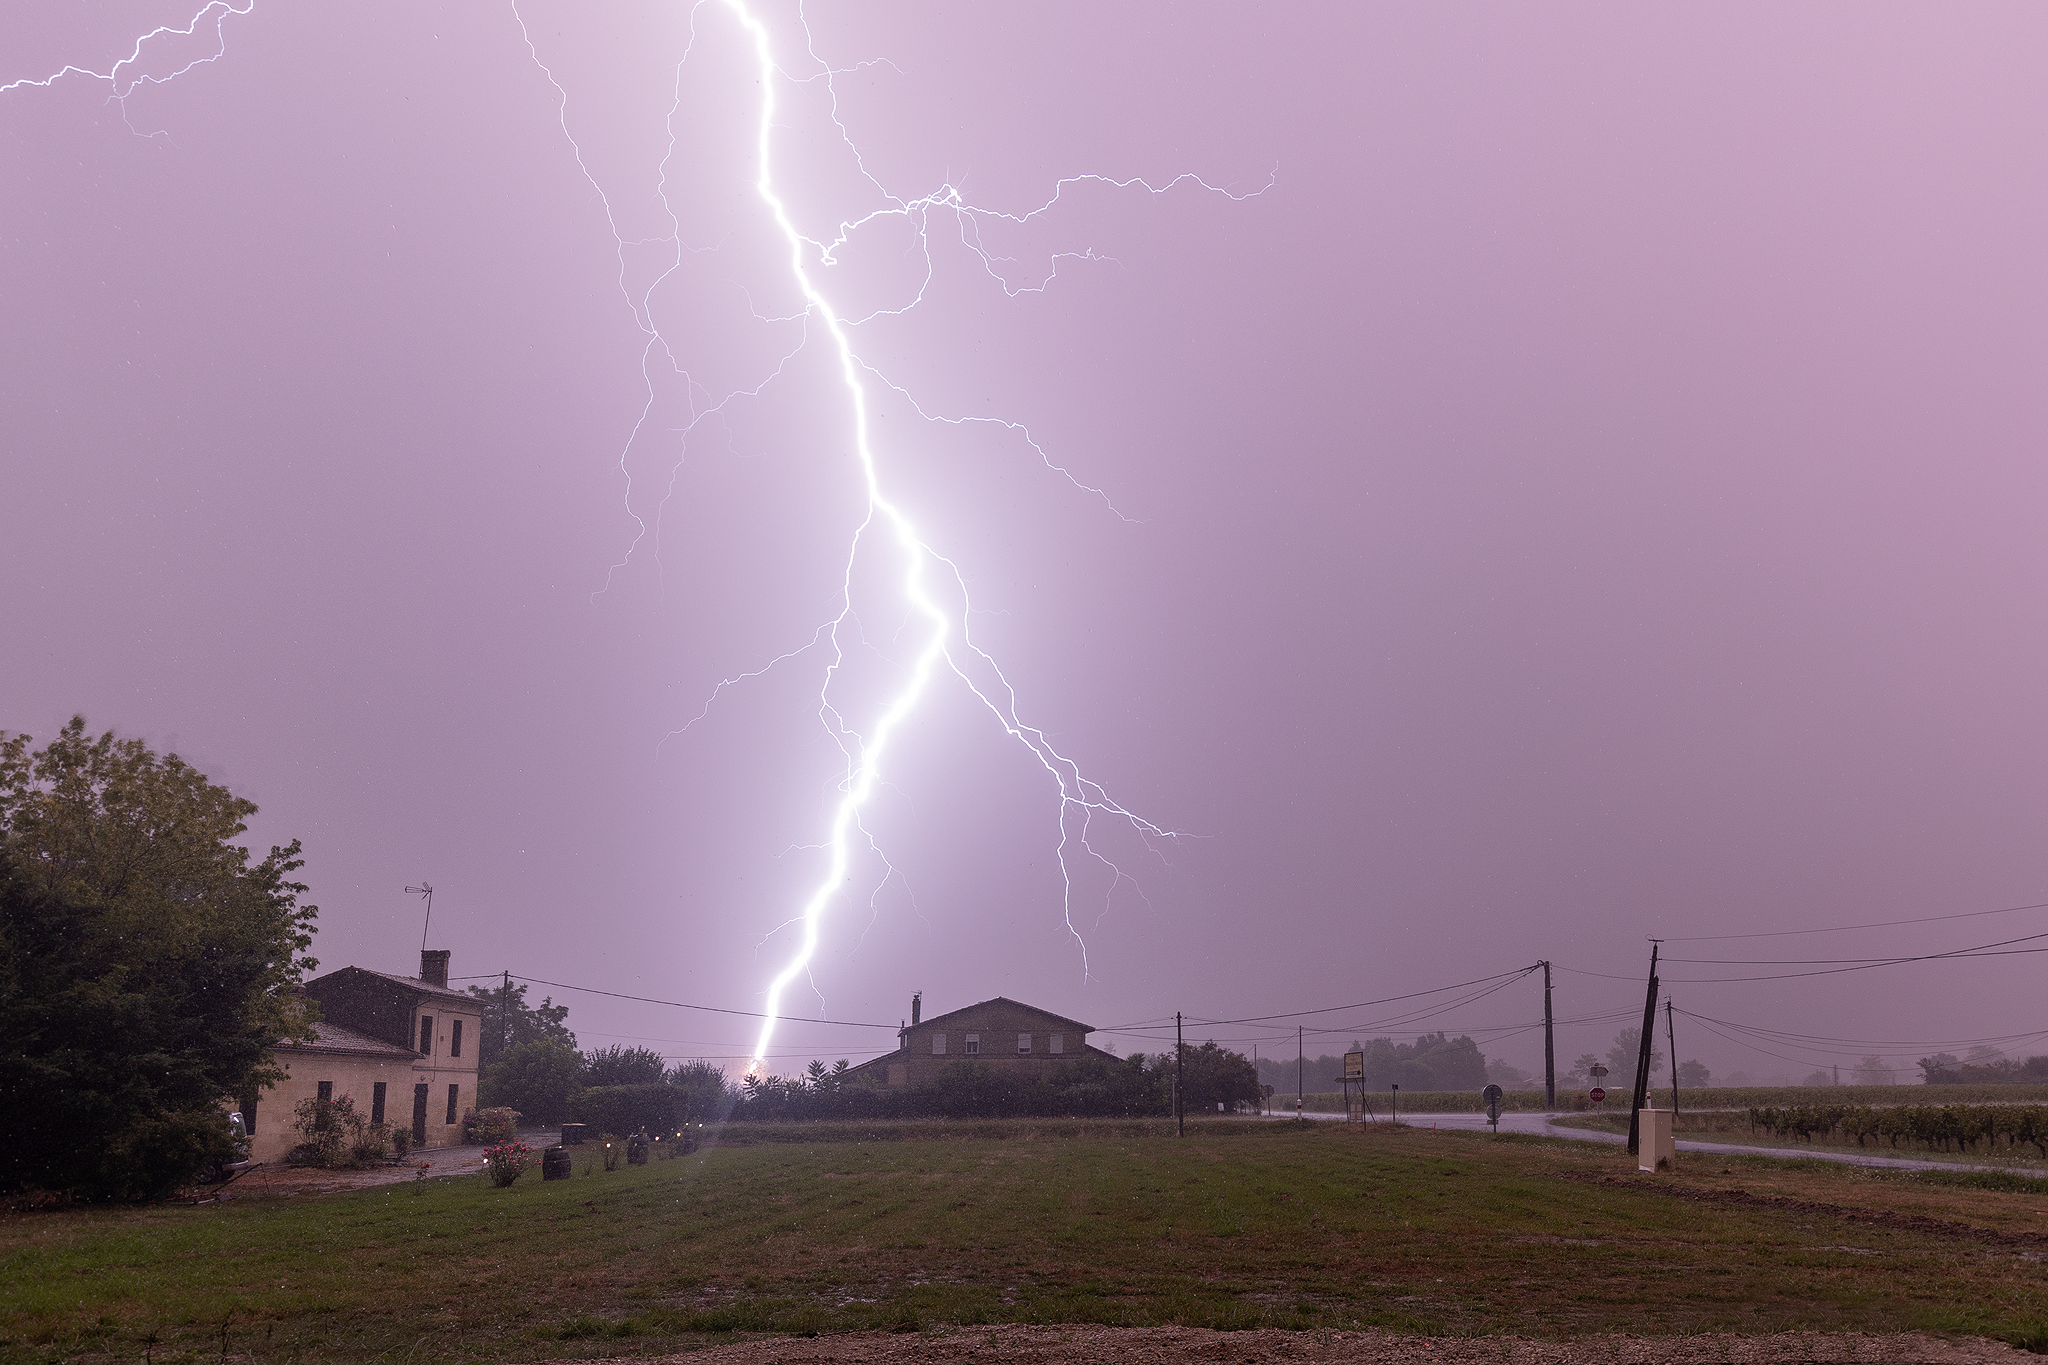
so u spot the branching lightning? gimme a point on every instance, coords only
(933, 589)
(124, 77)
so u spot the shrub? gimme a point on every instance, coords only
(490, 1126)
(336, 1136)
(506, 1160)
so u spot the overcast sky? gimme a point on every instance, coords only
(1577, 476)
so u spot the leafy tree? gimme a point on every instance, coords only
(147, 965)
(1622, 1059)
(1211, 1075)
(1873, 1071)
(1693, 1074)
(617, 1065)
(1581, 1071)
(1940, 1068)
(535, 1078)
(509, 1021)
(1507, 1076)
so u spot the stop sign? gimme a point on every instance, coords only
(1597, 1095)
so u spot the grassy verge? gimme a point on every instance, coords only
(1709, 1097)
(1733, 1126)
(792, 1228)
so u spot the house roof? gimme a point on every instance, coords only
(336, 1039)
(413, 983)
(1014, 1004)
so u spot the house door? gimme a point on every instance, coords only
(419, 1115)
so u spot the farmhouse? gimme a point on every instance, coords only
(1005, 1035)
(403, 1048)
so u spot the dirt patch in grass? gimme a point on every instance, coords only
(1196, 1346)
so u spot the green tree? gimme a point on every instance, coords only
(1211, 1075)
(509, 1021)
(616, 1065)
(535, 1078)
(147, 965)
(1624, 1055)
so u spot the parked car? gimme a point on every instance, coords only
(239, 1131)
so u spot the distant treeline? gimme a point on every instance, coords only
(1434, 1061)
(1086, 1087)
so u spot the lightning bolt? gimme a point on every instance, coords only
(122, 80)
(946, 642)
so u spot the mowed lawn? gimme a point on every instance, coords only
(1236, 1225)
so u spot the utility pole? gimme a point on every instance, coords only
(505, 1017)
(1649, 1034)
(1549, 1049)
(1300, 1070)
(1180, 1049)
(1671, 1037)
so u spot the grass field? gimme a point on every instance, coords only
(815, 1228)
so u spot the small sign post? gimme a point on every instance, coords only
(1354, 1074)
(1598, 1073)
(1492, 1096)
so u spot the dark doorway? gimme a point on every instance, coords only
(377, 1102)
(419, 1115)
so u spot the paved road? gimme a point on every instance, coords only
(1545, 1125)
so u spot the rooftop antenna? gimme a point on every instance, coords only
(425, 888)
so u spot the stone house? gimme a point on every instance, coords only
(1006, 1035)
(404, 1048)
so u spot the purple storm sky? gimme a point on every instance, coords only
(1594, 491)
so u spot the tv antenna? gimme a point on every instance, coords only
(425, 888)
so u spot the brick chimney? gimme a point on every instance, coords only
(916, 1005)
(434, 966)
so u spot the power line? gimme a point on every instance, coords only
(1386, 1000)
(683, 1004)
(1845, 928)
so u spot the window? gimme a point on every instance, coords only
(1023, 1045)
(326, 1092)
(249, 1115)
(453, 1091)
(419, 1114)
(377, 1102)
(973, 1048)
(427, 1034)
(938, 1045)
(455, 1040)
(1058, 1045)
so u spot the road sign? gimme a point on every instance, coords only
(1492, 1096)
(1598, 1095)
(1354, 1066)
(1596, 1071)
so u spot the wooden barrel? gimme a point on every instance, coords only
(554, 1164)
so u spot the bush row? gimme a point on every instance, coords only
(1945, 1127)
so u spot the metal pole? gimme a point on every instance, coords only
(1300, 1070)
(1180, 1118)
(1671, 1037)
(505, 1017)
(1549, 1049)
(1649, 1034)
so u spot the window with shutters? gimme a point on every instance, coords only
(326, 1095)
(453, 1091)
(1057, 1044)
(973, 1048)
(455, 1040)
(427, 1034)
(1023, 1045)
(938, 1045)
